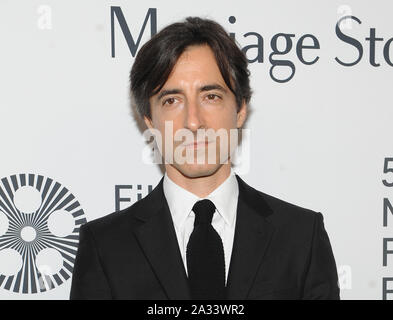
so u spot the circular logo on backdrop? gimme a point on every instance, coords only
(39, 233)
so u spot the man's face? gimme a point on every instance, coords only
(194, 97)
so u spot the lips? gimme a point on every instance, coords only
(197, 144)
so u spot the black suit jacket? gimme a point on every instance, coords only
(280, 251)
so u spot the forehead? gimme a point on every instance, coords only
(196, 64)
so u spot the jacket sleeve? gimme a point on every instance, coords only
(88, 279)
(321, 281)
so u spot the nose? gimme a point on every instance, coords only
(193, 120)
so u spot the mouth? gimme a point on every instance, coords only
(197, 144)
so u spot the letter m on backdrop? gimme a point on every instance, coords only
(132, 45)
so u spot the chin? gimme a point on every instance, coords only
(197, 170)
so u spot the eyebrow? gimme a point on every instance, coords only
(207, 87)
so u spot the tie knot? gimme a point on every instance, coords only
(204, 210)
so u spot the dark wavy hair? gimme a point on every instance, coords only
(157, 57)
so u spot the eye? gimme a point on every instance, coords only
(212, 96)
(169, 101)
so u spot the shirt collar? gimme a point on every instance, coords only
(181, 201)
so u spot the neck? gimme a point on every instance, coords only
(200, 186)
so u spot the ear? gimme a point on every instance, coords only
(148, 122)
(241, 115)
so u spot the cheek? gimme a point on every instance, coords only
(168, 129)
(174, 115)
(223, 116)
(226, 120)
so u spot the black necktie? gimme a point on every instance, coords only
(205, 255)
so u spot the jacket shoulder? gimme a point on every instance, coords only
(295, 225)
(272, 207)
(115, 222)
(284, 207)
(287, 213)
(140, 209)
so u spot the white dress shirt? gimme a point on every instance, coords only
(224, 197)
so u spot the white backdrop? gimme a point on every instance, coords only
(319, 140)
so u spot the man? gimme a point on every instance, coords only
(202, 233)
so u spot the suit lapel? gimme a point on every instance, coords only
(252, 237)
(158, 240)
